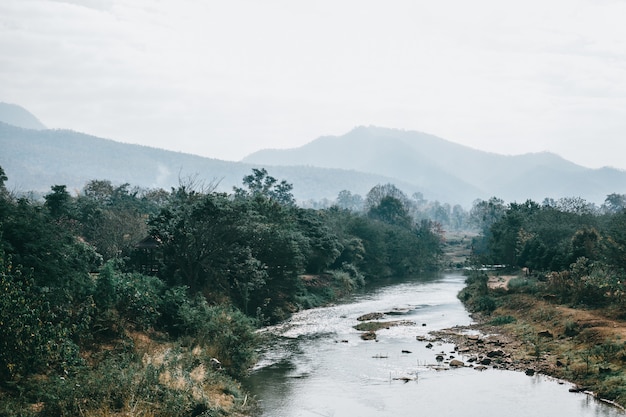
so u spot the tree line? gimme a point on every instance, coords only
(213, 267)
(576, 249)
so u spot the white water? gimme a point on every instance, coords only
(319, 366)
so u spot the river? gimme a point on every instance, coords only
(317, 364)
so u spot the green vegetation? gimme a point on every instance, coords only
(566, 301)
(127, 301)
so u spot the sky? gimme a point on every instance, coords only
(223, 79)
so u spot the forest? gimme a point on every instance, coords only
(574, 250)
(119, 300)
(552, 276)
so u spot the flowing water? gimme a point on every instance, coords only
(317, 365)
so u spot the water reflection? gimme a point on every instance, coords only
(317, 365)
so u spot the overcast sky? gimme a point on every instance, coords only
(225, 78)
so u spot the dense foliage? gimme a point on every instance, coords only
(84, 277)
(554, 276)
(575, 249)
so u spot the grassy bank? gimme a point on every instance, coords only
(581, 345)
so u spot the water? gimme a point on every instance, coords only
(318, 365)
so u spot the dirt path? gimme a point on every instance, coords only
(501, 281)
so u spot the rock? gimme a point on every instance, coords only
(429, 346)
(530, 372)
(559, 363)
(439, 358)
(421, 338)
(371, 316)
(405, 378)
(423, 324)
(545, 333)
(399, 311)
(473, 337)
(369, 335)
(215, 364)
(455, 363)
(472, 359)
(485, 361)
(495, 353)
(480, 368)
(406, 351)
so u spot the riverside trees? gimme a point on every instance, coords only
(221, 264)
(580, 249)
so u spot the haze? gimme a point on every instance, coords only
(224, 79)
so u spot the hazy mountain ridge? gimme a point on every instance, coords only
(440, 169)
(432, 162)
(18, 116)
(35, 160)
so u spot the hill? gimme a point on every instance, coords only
(458, 172)
(34, 160)
(18, 116)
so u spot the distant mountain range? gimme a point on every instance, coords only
(35, 158)
(19, 116)
(448, 171)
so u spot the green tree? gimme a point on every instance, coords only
(348, 201)
(614, 203)
(391, 210)
(261, 184)
(379, 192)
(58, 202)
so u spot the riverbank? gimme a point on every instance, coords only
(521, 332)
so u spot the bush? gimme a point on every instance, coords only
(571, 328)
(501, 320)
(136, 298)
(35, 335)
(167, 382)
(139, 299)
(522, 285)
(227, 331)
(483, 304)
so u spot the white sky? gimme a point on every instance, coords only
(225, 78)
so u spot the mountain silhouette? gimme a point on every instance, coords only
(35, 159)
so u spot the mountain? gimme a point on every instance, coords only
(438, 166)
(18, 116)
(34, 160)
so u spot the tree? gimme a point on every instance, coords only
(197, 234)
(348, 201)
(391, 210)
(112, 219)
(576, 205)
(485, 213)
(323, 246)
(614, 203)
(3, 180)
(377, 193)
(58, 202)
(261, 184)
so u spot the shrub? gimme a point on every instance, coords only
(522, 285)
(139, 298)
(227, 331)
(571, 328)
(501, 320)
(35, 335)
(484, 304)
